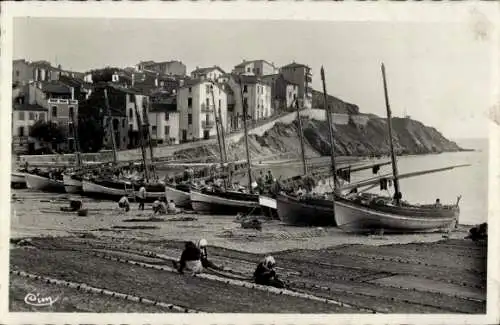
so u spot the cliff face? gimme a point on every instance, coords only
(410, 137)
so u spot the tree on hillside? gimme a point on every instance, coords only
(90, 129)
(48, 132)
(103, 75)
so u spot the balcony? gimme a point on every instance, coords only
(63, 101)
(207, 124)
(207, 108)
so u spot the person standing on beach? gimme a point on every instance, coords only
(141, 197)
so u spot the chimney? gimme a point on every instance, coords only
(72, 92)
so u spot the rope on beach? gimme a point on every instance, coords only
(239, 283)
(86, 288)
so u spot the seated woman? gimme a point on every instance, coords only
(190, 259)
(171, 208)
(266, 275)
(202, 246)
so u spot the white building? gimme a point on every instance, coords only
(256, 95)
(255, 68)
(164, 122)
(211, 73)
(198, 102)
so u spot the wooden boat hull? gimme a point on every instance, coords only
(353, 217)
(45, 184)
(153, 192)
(295, 212)
(181, 198)
(104, 192)
(213, 204)
(72, 185)
(268, 206)
(17, 180)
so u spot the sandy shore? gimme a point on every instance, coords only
(422, 273)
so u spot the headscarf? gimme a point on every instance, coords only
(269, 261)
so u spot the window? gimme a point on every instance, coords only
(167, 116)
(31, 116)
(220, 103)
(245, 88)
(54, 111)
(167, 131)
(257, 70)
(190, 89)
(41, 116)
(190, 102)
(131, 126)
(208, 103)
(245, 101)
(21, 131)
(208, 89)
(132, 98)
(71, 129)
(190, 119)
(248, 69)
(207, 118)
(123, 125)
(130, 113)
(21, 116)
(71, 112)
(154, 130)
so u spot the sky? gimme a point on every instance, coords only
(438, 73)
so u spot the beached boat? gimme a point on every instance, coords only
(180, 194)
(299, 211)
(268, 206)
(365, 216)
(224, 202)
(153, 190)
(44, 183)
(17, 179)
(107, 189)
(363, 213)
(72, 183)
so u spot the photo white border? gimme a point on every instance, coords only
(282, 10)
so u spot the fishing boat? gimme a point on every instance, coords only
(72, 183)
(17, 179)
(269, 206)
(224, 202)
(305, 211)
(364, 213)
(44, 182)
(179, 193)
(101, 188)
(380, 214)
(153, 190)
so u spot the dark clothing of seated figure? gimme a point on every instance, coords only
(190, 253)
(266, 276)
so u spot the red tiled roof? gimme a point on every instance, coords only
(208, 69)
(242, 64)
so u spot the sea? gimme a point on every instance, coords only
(470, 182)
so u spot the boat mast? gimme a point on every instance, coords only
(146, 119)
(77, 144)
(330, 131)
(245, 115)
(111, 125)
(397, 194)
(141, 141)
(223, 157)
(301, 136)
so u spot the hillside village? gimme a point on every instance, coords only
(175, 105)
